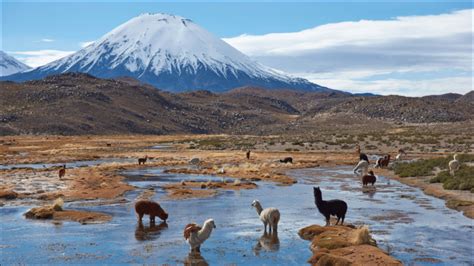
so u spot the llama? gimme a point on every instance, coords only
(248, 154)
(370, 178)
(287, 160)
(362, 168)
(383, 162)
(196, 235)
(363, 156)
(358, 149)
(142, 160)
(269, 216)
(454, 165)
(330, 207)
(62, 172)
(151, 208)
(400, 154)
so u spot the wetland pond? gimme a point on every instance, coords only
(413, 227)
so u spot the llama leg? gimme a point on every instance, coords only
(343, 216)
(198, 249)
(327, 220)
(275, 228)
(338, 218)
(140, 216)
(265, 225)
(152, 219)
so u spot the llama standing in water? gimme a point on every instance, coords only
(196, 235)
(362, 167)
(330, 207)
(269, 216)
(370, 178)
(454, 165)
(383, 162)
(62, 172)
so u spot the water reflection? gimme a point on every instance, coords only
(268, 242)
(195, 259)
(150, 232)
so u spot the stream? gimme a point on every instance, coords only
(413, 227)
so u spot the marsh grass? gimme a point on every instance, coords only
(426, 167)
(463, 179)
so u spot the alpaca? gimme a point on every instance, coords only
(287, 160)
(196, 235)
(454, 164)
(248, 155)
(370, 178)
(151, 208)
(269, 216)
(330, 207)
(62, 172)
(383, 162)
(142, 160)
(361, 168)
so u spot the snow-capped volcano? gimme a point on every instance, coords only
(9, 65)
(171, 53)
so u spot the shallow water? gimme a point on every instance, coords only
(411, 225)
(73, 164)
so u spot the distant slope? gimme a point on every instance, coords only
(82, 104)
(10, 65)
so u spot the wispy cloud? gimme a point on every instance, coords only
(345, 55)
(85, 44)
(46, 40)
(39, 57)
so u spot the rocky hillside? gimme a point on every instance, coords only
(82, 104)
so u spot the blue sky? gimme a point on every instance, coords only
(37, 32)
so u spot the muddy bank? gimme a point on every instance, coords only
(58, 214)
(344, 245)
(459, 200)
(196, 189)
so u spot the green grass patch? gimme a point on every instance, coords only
(426, 167)
(463, 179)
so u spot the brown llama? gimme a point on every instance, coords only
(142, 160)
(62, 172)
(383, 162)
(370, 178)
(151, 208)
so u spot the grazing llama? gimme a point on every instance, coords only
(151, 208)
(142, 160)
(454, 165)
(269, 216)
(196, 235)
(330, 207)
(62, 172)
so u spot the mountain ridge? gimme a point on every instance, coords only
(171, 53)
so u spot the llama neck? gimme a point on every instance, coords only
(259, 208)
(319, 198)
(205, 232)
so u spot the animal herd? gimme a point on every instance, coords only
(195, 235)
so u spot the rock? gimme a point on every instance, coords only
(45, 212)
(194, 161)
(344, 245)
(8, 194)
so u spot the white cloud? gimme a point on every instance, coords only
(39, 57)
(356, 49)
(85, 44)
(46, 40)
